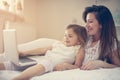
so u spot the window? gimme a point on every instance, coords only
(14, 6)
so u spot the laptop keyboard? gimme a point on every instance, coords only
(25, 59)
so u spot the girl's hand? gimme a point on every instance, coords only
(90, 65)
(64, 66)
(61, 67)
(22, 54)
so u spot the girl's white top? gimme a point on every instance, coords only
(62, 53)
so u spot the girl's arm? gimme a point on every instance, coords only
(37, 51)
(80, 57)
(68, 66)
(78, 60)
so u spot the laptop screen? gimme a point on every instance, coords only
(10, 45)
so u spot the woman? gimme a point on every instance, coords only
(102, 49)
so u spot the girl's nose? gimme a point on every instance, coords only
(65, 37)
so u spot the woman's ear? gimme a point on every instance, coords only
(100, 26)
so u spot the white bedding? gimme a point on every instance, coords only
(76, 74)
(8, 75)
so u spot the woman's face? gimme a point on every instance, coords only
(92, 25)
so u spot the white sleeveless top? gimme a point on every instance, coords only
(91, 53)
(62, 53)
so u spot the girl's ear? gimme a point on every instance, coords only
(79, 42)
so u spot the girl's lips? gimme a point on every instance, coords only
(66, 41)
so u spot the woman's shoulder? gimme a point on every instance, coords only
(89, 42)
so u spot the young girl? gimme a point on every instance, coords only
(102, 49)
(70, 50)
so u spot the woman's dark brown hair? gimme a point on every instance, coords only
(108, 36)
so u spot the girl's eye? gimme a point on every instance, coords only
(70, 36)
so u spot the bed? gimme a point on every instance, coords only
(75, 74)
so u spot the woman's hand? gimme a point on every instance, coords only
(90, 65)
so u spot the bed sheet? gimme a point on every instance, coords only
(8, 75)
(77, 74)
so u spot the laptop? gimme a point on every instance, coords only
(11, 50)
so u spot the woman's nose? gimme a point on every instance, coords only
(86, 25)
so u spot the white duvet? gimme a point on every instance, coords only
(77, 74)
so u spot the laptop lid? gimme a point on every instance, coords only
(10, 45)
(10, 49)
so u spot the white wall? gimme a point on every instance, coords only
(31, 12)
(25, 32)
(55, 15)
(52, 16)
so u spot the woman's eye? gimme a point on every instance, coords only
(90, 21)
(70, 36)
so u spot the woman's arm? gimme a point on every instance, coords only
(37, 51)
(95, 64)
(116, 59)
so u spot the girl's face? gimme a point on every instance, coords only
(70, 38)
(92, 25)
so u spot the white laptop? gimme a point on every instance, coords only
(11, 50)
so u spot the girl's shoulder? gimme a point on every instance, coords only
(57, 43)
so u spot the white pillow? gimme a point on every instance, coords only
(42, 42)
